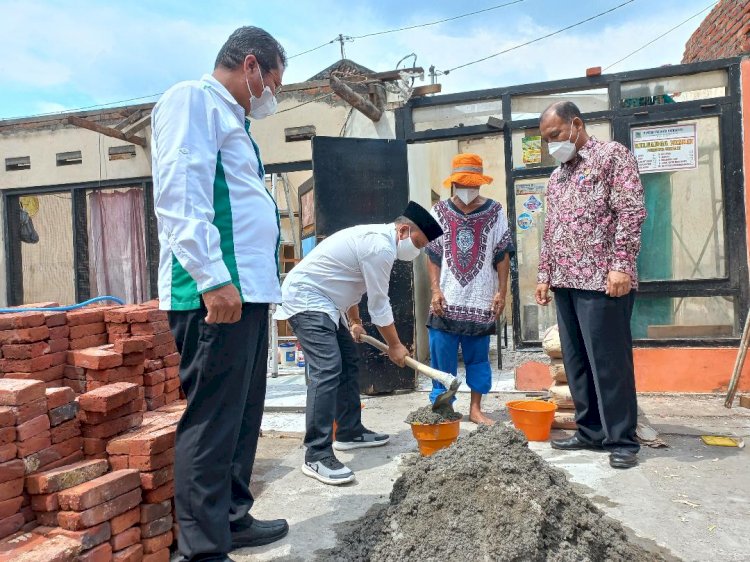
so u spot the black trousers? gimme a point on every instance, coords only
(223, 375)
(333, 390)
(598, 355)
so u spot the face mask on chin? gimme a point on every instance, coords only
(467, 194)
(564, 151)
(406, 250)
(263, 106)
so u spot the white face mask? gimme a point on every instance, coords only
(467, 194)
(263, 106)
(406, 250)
(563, 151)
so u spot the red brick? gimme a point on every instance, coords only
(67, 477)
(85, 316)
(7, 435)
(130, 345)
(156, 403)
(114, 427)
(65, 431)
(27, 335)
(171, 385)
(149, 328)
(63, 414)
(8, 452)
(89, 538)
(133, 553)
(93, 385)
(96, 418)
(160, 494)
(119, 462)
(95, 358)
(154, 391)
(31, 409)
(34, 445)
(73, 458)
(59, 333)
(14, 392)
(14, 321)
(154, 377)
(152, 365)
(158, 542)
(88, 341)
(33, 427)
(11, 470)
(49, 458)
(125, 521)
(45, 502)
(119, 314)
(57, 383)
(153, 511)
(39, 363)
(147, 315)
(134, 359)
(53, 373)
(101, 553)
(28, 513)
(11, 525)
(25, 350)
(92, 446)
(76, 521)
(46, 518)
(102, 489)
(11, 489)
(160, 556)
(161, 350)
(77, 386)
(72, 372)
(162, 339)
(173, 372)
(173, 396)
(59, 397)
(114, 374)
(153, 443)
(85, 330)
(58, 345)
(56, 319)
(32, 547)
(119, 329)
(109, 397)
(10, 507)
(172, 360)
(7, 417)
(125, 539)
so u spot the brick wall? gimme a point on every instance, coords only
(724, 33)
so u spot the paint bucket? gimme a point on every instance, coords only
(533, 417)
(287, 354)
(431, 437)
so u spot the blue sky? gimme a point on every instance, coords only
(66, 54)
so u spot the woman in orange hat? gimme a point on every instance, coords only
(468, 268)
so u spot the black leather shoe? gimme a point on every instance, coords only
(573, 444)
(623, 459)
(253, 532)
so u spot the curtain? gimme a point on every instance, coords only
(117, 245)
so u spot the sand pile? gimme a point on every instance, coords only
(487, 498)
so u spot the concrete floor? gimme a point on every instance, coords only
(690, 499)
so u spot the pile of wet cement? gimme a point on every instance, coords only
(427, 415)
(489, 497)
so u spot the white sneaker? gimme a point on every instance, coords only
(329, 470)
(367, 439)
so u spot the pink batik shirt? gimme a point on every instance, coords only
(594, 214)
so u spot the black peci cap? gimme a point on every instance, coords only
(424, 220)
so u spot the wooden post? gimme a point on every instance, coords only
(355, 100)
(107, 131)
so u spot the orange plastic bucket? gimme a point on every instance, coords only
(433, 437)
(533, 417)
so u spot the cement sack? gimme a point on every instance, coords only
(560, 394)
(551, 343)
(557, 371)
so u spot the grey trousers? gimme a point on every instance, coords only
(333, 391)
(223, 374)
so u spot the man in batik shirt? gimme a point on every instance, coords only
(592, 236)
(468, 269)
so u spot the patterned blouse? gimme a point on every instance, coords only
(468, 254)
(595, 211)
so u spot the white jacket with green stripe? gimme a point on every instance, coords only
(217, 222)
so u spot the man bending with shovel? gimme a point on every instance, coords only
(321, 301)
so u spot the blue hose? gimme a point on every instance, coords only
(63, 308)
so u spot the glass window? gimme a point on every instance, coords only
(47, 265)
(531, 107)
(675, 89)
(449, 116)
(683, 236)
(530, 213)
(683, 317)
(530, 152)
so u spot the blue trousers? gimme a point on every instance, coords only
(444, 357)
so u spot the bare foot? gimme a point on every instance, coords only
(480, 419)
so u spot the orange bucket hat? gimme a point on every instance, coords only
(467, 170)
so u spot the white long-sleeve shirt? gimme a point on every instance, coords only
(339, 270)
(217, 222)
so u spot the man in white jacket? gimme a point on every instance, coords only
(219, 235)
(321, 299)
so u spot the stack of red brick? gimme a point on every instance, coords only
(92, 368)
(34, 346)
(109, 411)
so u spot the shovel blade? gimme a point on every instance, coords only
(445, 400)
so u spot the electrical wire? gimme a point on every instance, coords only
(654, 40)
(313, 49)
(537, 39)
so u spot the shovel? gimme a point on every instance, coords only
(447, 380)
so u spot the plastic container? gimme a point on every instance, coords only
(533, 417)
(300, 357)
(287, 354)
(433, 437)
